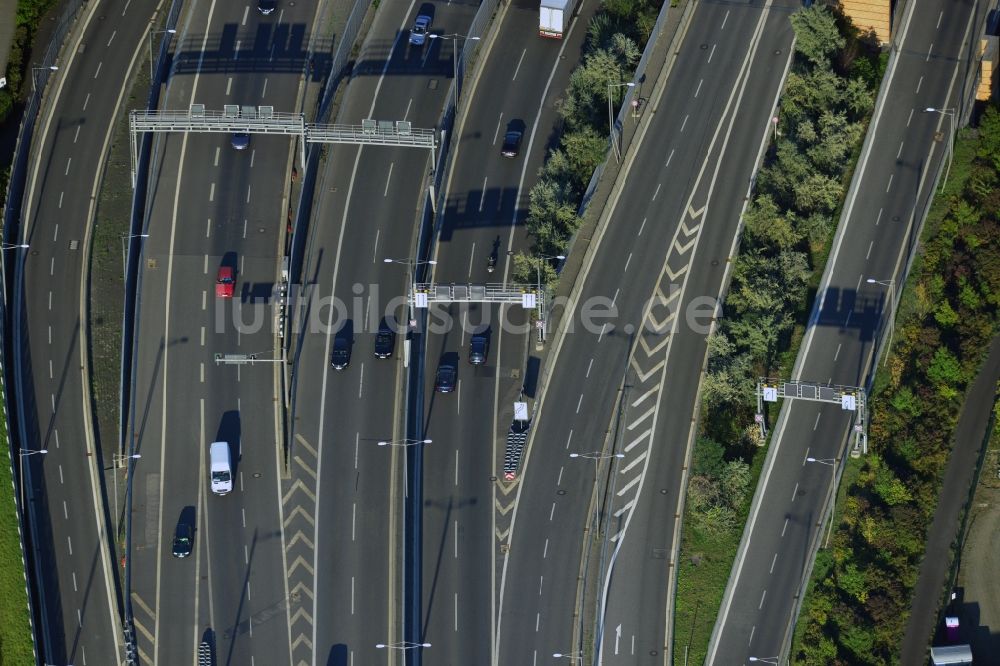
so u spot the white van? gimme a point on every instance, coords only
(221, 468)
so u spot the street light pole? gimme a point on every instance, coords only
(127, 237)
(24, 454)
(611, 121)
(51, 68)
(832, 462)
(454, 54)
(951, 136)
(538, 287)
(890, 284)
(168, 31)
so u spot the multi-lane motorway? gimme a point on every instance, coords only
(212, 205)
(302, 562)
(665, 208)
(883, 214)
(75, 567)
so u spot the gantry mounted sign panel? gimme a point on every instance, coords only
(265, 120)
(850, 399)
(425, 293)
(372, 132)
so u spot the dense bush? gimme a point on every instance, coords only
(616, 36)
(856, 612)
(822, 117)
(29, 14)
(823, 112)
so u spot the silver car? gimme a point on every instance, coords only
(418, 33)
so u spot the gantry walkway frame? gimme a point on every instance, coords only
(235, 118)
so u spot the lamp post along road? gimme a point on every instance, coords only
(832, 462)
(611, 119)
(50, 68)
(951, 136)
(128, 237)
(890, 284)
(454, 53)
(168, 31)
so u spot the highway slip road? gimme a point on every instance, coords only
(343, 502)
(213, 206)
(880, 226)
(71, 546)
(618, 388)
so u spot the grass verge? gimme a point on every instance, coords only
(16, 644)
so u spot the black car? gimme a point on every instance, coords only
(266, 7)
(385, 341)
(183, 539)
(447, 375)
(479, 348)
(511, 143)
(341, 355)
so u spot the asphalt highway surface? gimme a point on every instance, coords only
(210, 206)
(612, 432)
(71, 548)
(881, 224)
(486, 203)
(344, 500)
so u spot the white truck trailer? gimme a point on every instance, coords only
(554, 17)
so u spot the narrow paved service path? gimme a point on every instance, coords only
(969, 435)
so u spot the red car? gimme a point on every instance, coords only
(225, 283)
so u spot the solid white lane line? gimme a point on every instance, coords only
(388, 179)
(698, 89)
(76, 135)
(795, 491)
(375, 251)
(229, 85)
(657, 192)
(456, 611)
(352, 595)
(762, 595)
(496, 134)
(569, 438)
(838, 352)
(263, 92)
(909, 118)
(578, 403)
(482, 197)
(643, 225)
(816, 425)
(920, 82)
(712, 53)
(684, 124)
(65, 511)
(408, 105)
(74, 582)
(472, 255)
(773, 560)
(211, 192)
(55, 234)
(784, 527)
(724, 19)
(552, 511)
(218, 151)
(541, 583)
(51, 376)
(246, 11)
(545, 550)
(669, 157)
(518, 68)
(69, 160)
(589, 366)
(900, 151)
(627, 262)
(69, 544)
(889, 186)
(456, 467)
(870, 246)
(361, 382)
(60, 201)
(354, 521)
(456, 540)
(940, 16)
(112, 38)
(559, 480)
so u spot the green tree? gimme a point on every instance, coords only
(944, 370)
(735, 483)
(989, 137)
(766, 224)
(945, 315)
(584, 151)
(888, 486)
(708, 458)
(818, 193)
(852, 581)
(816, 35)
